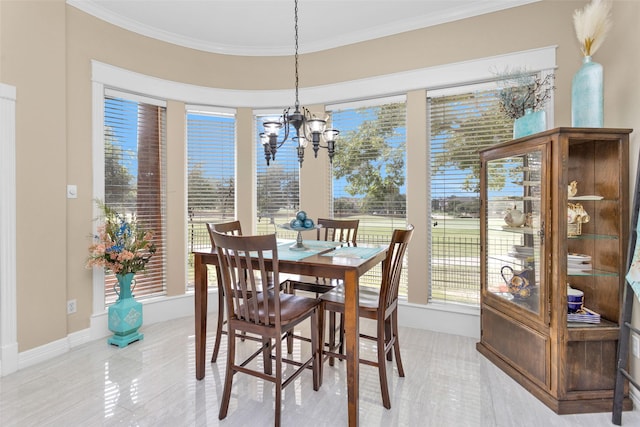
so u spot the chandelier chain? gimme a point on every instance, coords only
(308, 127)
(296, 55)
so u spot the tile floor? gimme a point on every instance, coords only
(152, 383)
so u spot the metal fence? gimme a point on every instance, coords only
(455, 269)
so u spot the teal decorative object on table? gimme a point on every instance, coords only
(123, 248)
(125, 316)
(300, 223)
(532, 122)
(587, 95)
(592, 23)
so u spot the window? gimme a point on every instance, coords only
(277, 185)
(134, 167)
(460, 125)
(369, 171)
(211, 174)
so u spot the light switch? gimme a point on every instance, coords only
(72, 191)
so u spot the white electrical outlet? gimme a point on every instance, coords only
(635, 346)
(71, 306)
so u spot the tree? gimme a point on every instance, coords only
(277, 188)
(118, 190)
(465, 134)
(200, 189)
(372, 165)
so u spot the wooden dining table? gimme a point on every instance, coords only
(335, 263)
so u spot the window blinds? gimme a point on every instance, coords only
(211, 172)
(369, 172)
(135, 184)
(277, 185)
(460, 125)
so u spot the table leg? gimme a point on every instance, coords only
(352, 336)
(201, 295)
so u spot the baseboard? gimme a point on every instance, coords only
(446, 318)
(43, 353)
(154, 311)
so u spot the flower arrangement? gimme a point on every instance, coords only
(121, 246)
(592, 25)
(521, 90)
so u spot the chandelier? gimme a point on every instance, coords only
(308, 127)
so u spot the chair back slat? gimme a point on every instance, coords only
(338, 230)
(243, 291)
(231, 227)
(392, 267)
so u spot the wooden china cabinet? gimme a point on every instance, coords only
(536, 241)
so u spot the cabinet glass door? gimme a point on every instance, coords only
(515, 228)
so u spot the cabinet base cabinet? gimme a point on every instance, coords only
(570, 187)
(572, 403)
(517, 344)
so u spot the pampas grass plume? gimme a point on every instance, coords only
(592, 25)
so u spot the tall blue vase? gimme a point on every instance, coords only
(125, 316)
(587, 95)
(532, 122)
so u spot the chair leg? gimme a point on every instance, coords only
(226, 394)
(382, 366)
(316, 348)
(290, 342)
(332, 335)
(396, 344)
(289, 289)
(278, 382)
(388, 336)
(341, 334)
(266, 355)
(216, 346)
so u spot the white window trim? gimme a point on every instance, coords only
(8, 265)
(476, 70)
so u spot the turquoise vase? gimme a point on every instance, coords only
(587, 96)
(532, 122)
(125, 316)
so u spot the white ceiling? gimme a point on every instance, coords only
(266, 27)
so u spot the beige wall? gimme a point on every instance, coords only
(45, 51)
(34, 61)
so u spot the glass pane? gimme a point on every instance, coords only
(514, 221)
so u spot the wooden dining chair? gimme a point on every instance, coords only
(335, 230)
(380, 305)
(269, 314)
(235, 229)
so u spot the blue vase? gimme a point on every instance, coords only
(587, 95)
(532, 122)
(125, 316)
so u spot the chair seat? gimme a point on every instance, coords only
(292, 307)
(368, 296)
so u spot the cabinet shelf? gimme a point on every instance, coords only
(594, 237)
(518, 230)
(593, 273)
